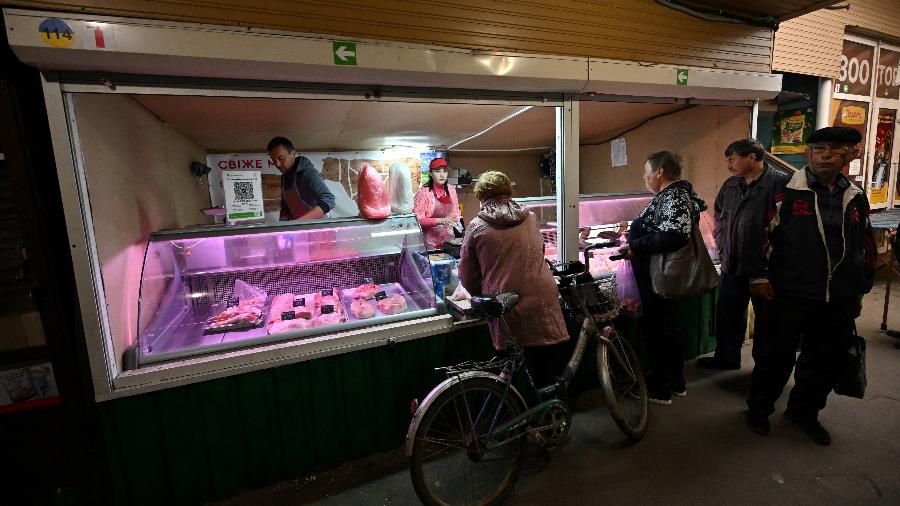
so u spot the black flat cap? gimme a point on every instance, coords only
(844, 135)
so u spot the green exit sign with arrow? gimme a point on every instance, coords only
(681, 77)
(344, 52)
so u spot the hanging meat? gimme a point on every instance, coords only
(372, 200)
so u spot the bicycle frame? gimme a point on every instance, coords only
(507, 432)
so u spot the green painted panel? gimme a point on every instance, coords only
(293, 424)
(257, 411)
(211, 440)
(220, 417)
(138, 421)
(326, 411)
(181, 424)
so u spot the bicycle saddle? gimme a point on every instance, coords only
(495, 305)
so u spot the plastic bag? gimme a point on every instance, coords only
(372, 198)
(627, 288)
(247, 294)
(400, 186)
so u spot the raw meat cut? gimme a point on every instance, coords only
(361, 309)
(285, 303)
(280, 304)
(394, 304)
(242, 313)
(365, 291)
(288, 325)
(326, 320)
(372, 198)
(328, 300)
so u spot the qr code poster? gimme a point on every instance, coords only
(243, 195)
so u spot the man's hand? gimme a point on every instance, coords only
(762, 290)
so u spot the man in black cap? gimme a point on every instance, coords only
(820, 262)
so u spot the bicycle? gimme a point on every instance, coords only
(466, 442)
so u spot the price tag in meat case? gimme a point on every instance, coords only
(299, 301)
(288, 315)
(327, 309)
(328, 292)
(380, 295)
(243, 195)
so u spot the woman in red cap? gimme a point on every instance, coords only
(437, 206)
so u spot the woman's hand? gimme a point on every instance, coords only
(447, 221)
(625, 251)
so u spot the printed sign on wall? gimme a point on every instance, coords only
(791, 129)
(887, 75)
(857, 69)
(881, 157)
(848, 113)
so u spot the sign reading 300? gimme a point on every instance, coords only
(855, 75)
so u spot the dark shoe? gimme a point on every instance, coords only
(715, 363)
(758, 424)
(662, 397)
(893, 333)
(678, 388)
(897, 345)
(811, 427)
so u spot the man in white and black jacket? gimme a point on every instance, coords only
(740, 213)
(820, 259)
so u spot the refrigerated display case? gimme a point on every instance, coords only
(218, 287)
(602, 217)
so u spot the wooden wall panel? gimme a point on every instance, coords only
(139, 181)
(638, 30)
(702, 150)
(811, 44)
(523, 169)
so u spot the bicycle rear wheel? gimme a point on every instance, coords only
(623, 385)
(454, 460)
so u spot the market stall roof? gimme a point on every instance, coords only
(230, 124)
(778, 9)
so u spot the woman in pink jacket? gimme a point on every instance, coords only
(503, 252)
(437, 206)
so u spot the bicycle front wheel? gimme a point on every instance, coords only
(454, 458)
(623, 384)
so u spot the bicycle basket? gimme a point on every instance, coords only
(601, 298)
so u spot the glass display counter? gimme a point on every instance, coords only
(602, 218)
(219, 287)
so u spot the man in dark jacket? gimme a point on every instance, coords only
(821, 258)
(740, 213)
(304, 195)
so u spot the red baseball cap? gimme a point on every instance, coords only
(437, 163)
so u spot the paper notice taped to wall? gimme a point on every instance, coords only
(619, 152)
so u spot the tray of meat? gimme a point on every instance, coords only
(291, 312)
(362, 309)
(249, 312)
(393, 304)
(363, 291)
(244, 315)
(289, 307)
(371, 300)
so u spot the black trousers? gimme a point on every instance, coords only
(546, 363)
(663, 343)
(824, 331)
(731, 317)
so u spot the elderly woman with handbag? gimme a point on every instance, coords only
(670, 261)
